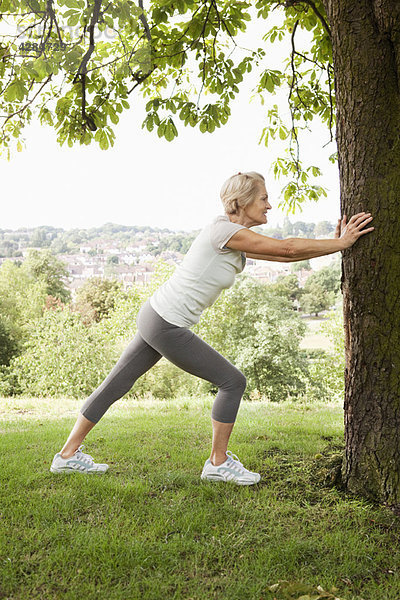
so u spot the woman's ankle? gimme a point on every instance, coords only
(66, 454)
(218, 460)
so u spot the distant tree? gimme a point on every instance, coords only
(39, 238)
(287, 229)
(315, 298)
(328, 277)
(60, 246)
(299, 265)
(323, 229)
(112, 260)
(96, 298)
(9, 248)
(152, 249)
(302, 229)
(328, 368)
(187, 242)
(287, 286)
(275, 232)
(45, 266)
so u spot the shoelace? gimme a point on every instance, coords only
(234, 457)
(80, 454)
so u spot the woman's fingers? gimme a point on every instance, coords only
(360, 219)
(364, 221)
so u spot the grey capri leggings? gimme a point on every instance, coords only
(155, 337)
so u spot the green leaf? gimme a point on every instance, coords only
(74, 19)
(282, 133)
(15, 91)
(203, 126)
(114, 118)
(104, 141)
(161, 129)
(169, 136)
(72, 3)
(42, 67)
(149, 123)
(11, 93)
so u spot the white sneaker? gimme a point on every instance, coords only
(231, 470)
(77, 463)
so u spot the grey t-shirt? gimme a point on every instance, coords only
(207, 268)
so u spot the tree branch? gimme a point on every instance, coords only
(290, 95)
(310, 3)
(83, 66)
(93, 21)
(144, 21)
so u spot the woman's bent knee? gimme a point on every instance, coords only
(237, 381)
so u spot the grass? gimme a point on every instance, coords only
(149, 528)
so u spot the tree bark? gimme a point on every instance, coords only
(366, 56)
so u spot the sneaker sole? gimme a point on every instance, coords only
(53, 470)
(236, 481)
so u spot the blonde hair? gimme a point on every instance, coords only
(239, 191)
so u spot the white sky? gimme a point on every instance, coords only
(145, 180)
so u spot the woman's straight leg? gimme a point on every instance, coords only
(137, 358)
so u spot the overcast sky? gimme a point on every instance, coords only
(145, 180)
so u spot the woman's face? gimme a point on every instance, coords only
(256, 212)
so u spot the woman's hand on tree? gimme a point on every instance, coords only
(351, 231)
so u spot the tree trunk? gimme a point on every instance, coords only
(366, 56)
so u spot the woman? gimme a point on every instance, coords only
(164, 321)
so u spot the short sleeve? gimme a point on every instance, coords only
(221, 230)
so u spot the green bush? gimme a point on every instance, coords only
(22, 299)
(60, 357)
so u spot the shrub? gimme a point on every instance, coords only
(61, 357)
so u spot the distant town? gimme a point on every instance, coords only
(130, 253)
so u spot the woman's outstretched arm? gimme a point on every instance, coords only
(295, 249)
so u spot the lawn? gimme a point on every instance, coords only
(150, 528)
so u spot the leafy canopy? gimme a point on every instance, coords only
(74, 64)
